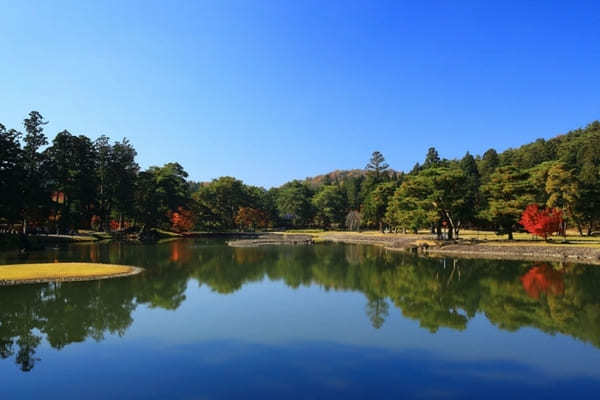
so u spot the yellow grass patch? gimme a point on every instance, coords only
(61, 271)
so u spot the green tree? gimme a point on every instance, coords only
(489, 162)
(294, 203)
(407, 208)
(72, 169)
(352, 187)
(160, 190)
(223, 197)
(563, 192)
(377, 166)
(330, 205)
(376, 204)
(11, 169)
(507, 194)
(470, 191)
(35, 194)
(116, 173)
(432, 159)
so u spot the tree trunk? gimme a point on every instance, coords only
(510, 235)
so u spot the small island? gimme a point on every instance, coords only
(17, 274)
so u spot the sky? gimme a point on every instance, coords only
(269, 91)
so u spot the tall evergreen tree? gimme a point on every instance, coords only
(377, 165)
(11, 168)
(35, 194)
(432, 159)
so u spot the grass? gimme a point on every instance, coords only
(572, 239)
(60, 271)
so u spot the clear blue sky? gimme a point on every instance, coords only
(268, 91)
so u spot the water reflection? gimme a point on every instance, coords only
(435, 292)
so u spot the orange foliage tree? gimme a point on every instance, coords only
(95, 222)
(541, 222)
(182, 220)
(543, 278)
(251, 218)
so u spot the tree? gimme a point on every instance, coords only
(294, 203)
(353, 220)
(376, 203)
(444, 199)
(330, 205)
(352, 187)
(377, 165)
(507, 194)
(72, 169)
(541, 222)
(470, 192)
(251, 218)
(432, 159)
(11, 168)
(35, 194)
(182, 220)
(408, 208)
(563, 192)
(489, 162)
(159, 191)
(124, 171)
(223, 197)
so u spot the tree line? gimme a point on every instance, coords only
(75, 182)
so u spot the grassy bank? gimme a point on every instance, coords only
(36, 273)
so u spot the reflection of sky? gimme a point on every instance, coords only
(274, 314)
(269, 340)
(147, 369)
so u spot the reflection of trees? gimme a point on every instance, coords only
(63, 313)
(543, 279)
(377, 310)
(436, 292)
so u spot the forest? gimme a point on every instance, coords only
(75, 182)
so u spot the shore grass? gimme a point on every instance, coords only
(23, 273)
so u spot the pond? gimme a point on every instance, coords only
(325, 321)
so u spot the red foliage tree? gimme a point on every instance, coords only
(251, 218)
(541, 222)
(182, 220)
(114, 225)
(543, 279)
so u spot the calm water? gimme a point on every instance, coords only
(329, 321)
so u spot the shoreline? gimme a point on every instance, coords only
(426, 245)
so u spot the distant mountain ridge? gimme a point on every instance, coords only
(338, 175)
